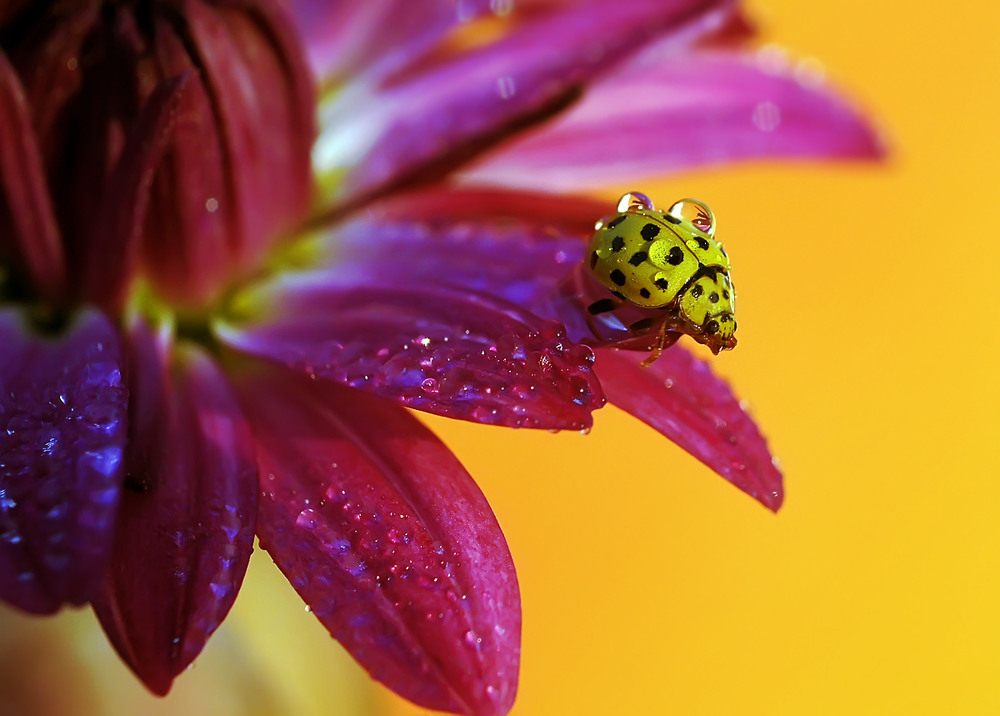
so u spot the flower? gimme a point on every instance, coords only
(194, 356)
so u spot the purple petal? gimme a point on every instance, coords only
(451, 352)
(679, 396)
(186, 528)
(388, 540)
(514, 246)
(375, 36)
(442, 116)
(29, 237)
(62, 436)
(667, 113)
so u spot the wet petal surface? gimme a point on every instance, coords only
(679, 396)
(447, 351)
(62, 436)
(388, 540)
(187, 522)
(664, 114)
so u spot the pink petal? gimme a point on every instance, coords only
(376, 36)
(388, 540)
(480, 241)
(29, 237)
(187, 523)
(667, 113)
(62, 435)
(440, 117)
(446, 351)
(679, 396)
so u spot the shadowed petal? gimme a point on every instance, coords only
(113, 254)
(665, 114)
(442, 116)
(29, 237)
(62, 436)
(346, 37)
(679, 396)
(388, 540)
(451, 352)
(187, 523)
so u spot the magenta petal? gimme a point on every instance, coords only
(62, 437)
(667, 112)
(451, 352)
(442, 116)
(29, 237)
(186, 528)
(345, 38)
(679, 396)
(518, 260)
(388, 540)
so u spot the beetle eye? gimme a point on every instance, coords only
(634, 200)
(694, 212)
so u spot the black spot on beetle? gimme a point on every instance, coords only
(638, 257)
(617, 244)
(712, 327)
(602, 306)
(697, 291)
(725, 294)
(620, 295)
(702, 243)
(643, 324)
(713, 297)
(675, 257)
(618, 278)
(671, 218)
(662, 284)
(644, 292)
(650, 232)
(615, 221)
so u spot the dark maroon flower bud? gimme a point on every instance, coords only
(175, 135)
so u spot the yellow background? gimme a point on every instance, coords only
(868, 352)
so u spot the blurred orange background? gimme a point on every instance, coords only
(868, 352)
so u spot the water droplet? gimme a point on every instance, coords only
(634, 200)
(766, 116)
(696, 213)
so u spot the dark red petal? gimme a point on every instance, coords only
(115, 249)
(438, 118)
(62, 437)
(186, 528)
(264, 105)
(679, 396)
(451, 352)
(29, 237)
(388, 540)
(666, 113)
